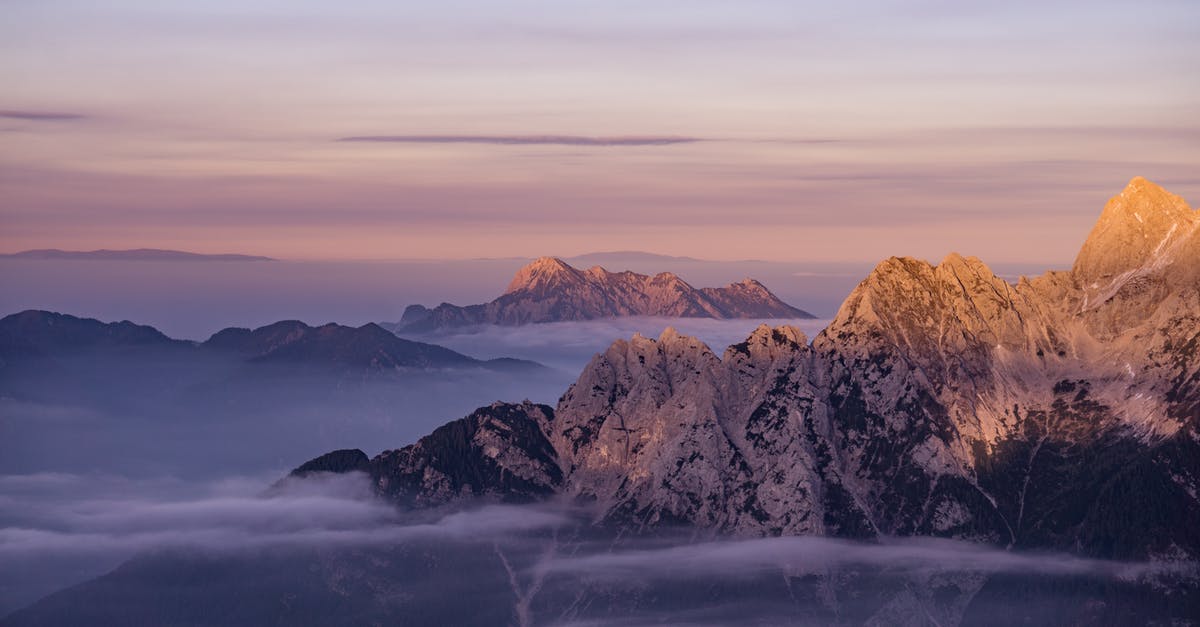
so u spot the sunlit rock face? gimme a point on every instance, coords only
(1060, 411)
(941, 400)
(550, 290)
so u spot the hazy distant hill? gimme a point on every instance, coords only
(44, 334)
(138, 254)
(369, 347)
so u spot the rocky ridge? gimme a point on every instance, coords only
(942, 400)
(550, 290)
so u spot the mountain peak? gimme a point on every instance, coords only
(670, 335)
(540, 273)
(550, 290)
(548, 264)
(1138, 227)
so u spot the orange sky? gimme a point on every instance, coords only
(823, 133)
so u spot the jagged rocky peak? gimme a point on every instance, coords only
(941, 401)
(671, 355)
(925, 308)
(1140, 228)
(543, 274)
(550, 290)
(767, 341)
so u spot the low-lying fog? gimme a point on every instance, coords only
(196, 418)
(204, 415)
(57, 529)
(106, 457)
(570, 345)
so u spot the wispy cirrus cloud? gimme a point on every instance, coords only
(529, 140)
(41, 116)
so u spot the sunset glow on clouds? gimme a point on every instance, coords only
(776, 130)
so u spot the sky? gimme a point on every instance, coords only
(776, 130)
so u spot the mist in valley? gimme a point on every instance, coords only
(568, 346)
(150, 478)
(179, 548)
(149, 429)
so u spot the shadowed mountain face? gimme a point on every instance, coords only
(37, 332)
(369, 346)
(550, 290)
(83, 396)
(498, 452)
(1059, 413)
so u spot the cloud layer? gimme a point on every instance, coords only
(570, 345)
(811, 554)
(59, 529)
(41, 116)
(527, 140)
(335, 510)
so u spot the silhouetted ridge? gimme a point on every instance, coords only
(340, 461)
(33, 334)
(368, 346)
(497, 452)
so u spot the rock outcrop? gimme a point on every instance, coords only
(498, 452)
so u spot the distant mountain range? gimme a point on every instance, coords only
(550, 290)
(42, 334)
(138, 254)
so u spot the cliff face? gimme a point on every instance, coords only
(941, 400)
(549, 290)
(498, 452)
(1061, 411)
